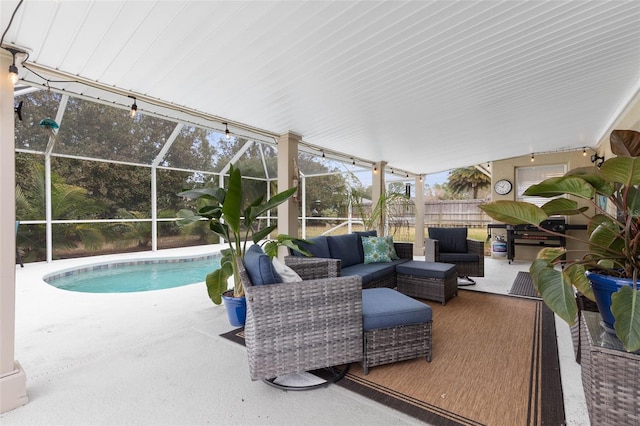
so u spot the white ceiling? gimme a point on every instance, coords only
(425, 86)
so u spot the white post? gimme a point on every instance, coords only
(13, 380)
(154, 209)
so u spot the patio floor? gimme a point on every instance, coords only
(156, 358)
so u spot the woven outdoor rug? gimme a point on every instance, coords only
(523, 286)
(495, 362)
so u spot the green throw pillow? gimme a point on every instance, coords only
(392, 249)
(376, 249)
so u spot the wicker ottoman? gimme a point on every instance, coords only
(428, 280)
(396, 327)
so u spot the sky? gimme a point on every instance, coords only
(434, 178)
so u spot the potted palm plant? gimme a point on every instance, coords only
(229, 220)
(609, 270)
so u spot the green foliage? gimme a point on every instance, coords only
(228, 218)
(613, 242)
(468, 179)
(385, 207)
(67, 202)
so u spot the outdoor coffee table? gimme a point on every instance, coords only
(428, 280)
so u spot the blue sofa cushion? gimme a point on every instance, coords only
(384, 308)
(319, 248)
(259, 267)
(371, 271)
(450, 240)
(345, 248)
(427, 269)
(459, 257)
(360, 234)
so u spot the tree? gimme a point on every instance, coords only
(469, 179)
(68, 202)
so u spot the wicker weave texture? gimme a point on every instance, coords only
(437, 289)
(302, 326)
(465, 269)
(387, 345)
(610, 381)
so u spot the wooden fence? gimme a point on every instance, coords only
(447, 213)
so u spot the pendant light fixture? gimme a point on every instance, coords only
(134, 107)
(13, 69)
(227, 133)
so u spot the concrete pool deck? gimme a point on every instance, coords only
(156, 358)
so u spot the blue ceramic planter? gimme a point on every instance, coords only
(603, 287)
(236, 310)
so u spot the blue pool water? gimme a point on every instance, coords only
(135, 276)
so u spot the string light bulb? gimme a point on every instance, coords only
(227, 133)
(532, 158)
(13, 69)
(420, 178)
(375, 169)
(584, 152)
(134, 107)
(353, 162)
(324, 158)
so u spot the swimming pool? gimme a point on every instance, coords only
(133, 276)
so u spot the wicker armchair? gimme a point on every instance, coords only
(302, 326)
(466, 254)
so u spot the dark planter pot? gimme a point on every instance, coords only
(603, 287)
(236, 309)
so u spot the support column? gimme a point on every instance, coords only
(378, 189)
(13, 380)
(418, 246)
(288, 176)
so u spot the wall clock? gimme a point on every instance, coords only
(502, 187)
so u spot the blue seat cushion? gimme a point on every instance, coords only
(450, 240)
(360, 234)
(427, 269)
(369, 271)
(319, 248)
(385, 308)
(345, 248)
(259, 267)
(459, 257)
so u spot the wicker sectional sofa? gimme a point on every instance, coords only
(347, 257)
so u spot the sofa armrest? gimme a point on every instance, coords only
(314, 267)
(404, 250)
(431, 250)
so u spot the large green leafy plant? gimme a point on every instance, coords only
(613, 244)
(234, 223)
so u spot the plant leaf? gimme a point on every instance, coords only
(593, 176)
(562, 206)
(556, 293)
(625, 143)
(633, 201)
(557, 186)
(624, 170)
(217, 284)
(625, 306)
(188, 217)
(514, 212)
(209, 193)
(231, 209)
(262, 233)
(575, 274)
(274, 201)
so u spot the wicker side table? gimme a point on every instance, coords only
(610, 375)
